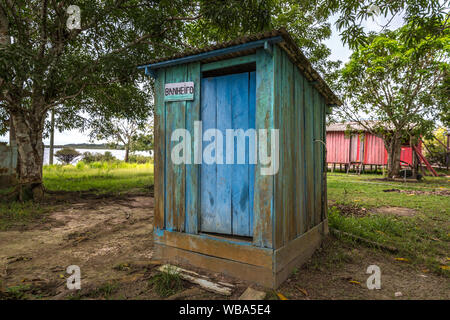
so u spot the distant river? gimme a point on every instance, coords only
(119, 154)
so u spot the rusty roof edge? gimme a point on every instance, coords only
(292, 50)
(213, 53)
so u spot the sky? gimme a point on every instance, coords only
(339, 51)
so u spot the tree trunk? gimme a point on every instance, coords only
(394, 149)
(29, 131)
(127, 152)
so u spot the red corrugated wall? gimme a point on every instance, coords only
(337, 147)
(374, 151)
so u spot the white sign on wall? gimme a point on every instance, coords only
(179, 91)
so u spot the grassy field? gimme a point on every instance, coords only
(422, 236)
(99, 177)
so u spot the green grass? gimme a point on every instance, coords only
(423, 238)
(166, 283)
(98, 177)
(105, 291)
(13, 214)
(17, 292)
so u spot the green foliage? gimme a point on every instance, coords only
(135, 158)
(307, 22)
(166, 283)
(142, 142)
(89, 157)
(17, 292)
(438, 150)
(67, 155)
(105, 290)
(426, 18)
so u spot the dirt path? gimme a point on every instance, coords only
(97, 235)
(110, 239)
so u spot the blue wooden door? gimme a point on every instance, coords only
(228, 102)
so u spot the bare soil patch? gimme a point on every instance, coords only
(421, 192)
(95, 233)
(351, 210)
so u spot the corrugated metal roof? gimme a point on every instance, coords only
(288, 44)
(353, 126)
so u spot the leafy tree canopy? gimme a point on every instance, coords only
(425, 17)
(397, 83)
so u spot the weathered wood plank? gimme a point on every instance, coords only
(222, 248)
(296, 253)
(208, 173)
(324, 160)
(290, 153)
(159, 157)
(228, 63)
(240, 184)
(252, 152)
(260, 275)
(309, 156)
(318, 159)
(223, 196)
(300, 177)
(192, 170)
(264, 184)
(175, 173)
(279, 183)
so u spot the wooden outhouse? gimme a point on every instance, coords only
(233, 216)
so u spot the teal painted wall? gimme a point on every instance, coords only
(300, 116)
(285, 205)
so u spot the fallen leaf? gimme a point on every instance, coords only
(354, 282)
(61, 276)
(281, 296)
(303, 291)
(445, 267)
(402, 259)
